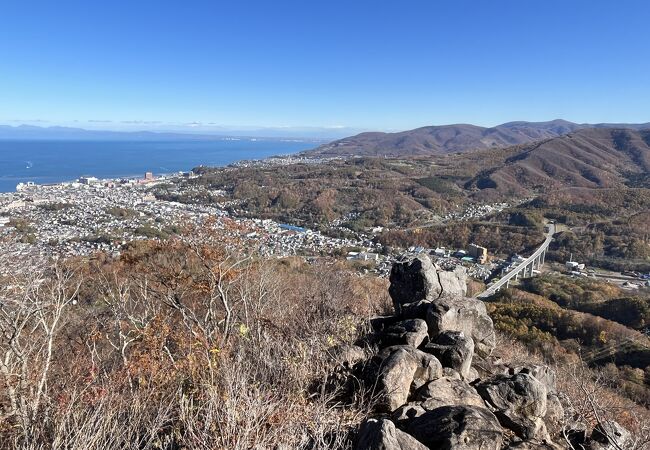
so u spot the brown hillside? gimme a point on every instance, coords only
(589, 158)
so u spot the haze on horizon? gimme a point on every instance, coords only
(329, 68)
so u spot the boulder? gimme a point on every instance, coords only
(412, 280)
(394, 379)
(382, 435)
(405, 413)
(444, 391)
(577, 433)
(414, 310)
(543, 373)
(473, 375)
(462, 314)
(407, 332)
(402, 369)
(428, 367)
(519, 401)
(448, 391)
(454, 350)
(610, 435)
(453, 282)
(554, 418)
(458, 428)
(451, 373)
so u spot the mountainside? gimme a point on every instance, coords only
(588, 158)
(438, 140)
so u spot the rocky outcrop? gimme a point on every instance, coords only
(454, 350)
(410, 332)
(447, 391)
(418, 279)
(434, 376)
(382, 435)
(427, 366)
(519, 401)
(453, 282)
(610, 436)
(457, 427)
(444, 391)
(401, 370)
(467, 315)
(414, 280)
(395, 378)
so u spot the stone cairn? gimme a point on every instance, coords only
(436, 385)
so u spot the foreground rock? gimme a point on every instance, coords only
(453, 283)
(454, 350)
(458, 428)
(467, 315)
(403, 369)
(382, 435)
(444, 391)
(433, 371)
(394, 380)
(448, 391)
(610, 436)
(418, 279)
(519, 401)
(414, 280)
(410, 332)
(428, 366)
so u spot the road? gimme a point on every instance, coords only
(530, 261)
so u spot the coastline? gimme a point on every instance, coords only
(55, 162)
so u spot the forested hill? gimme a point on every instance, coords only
(588, 158)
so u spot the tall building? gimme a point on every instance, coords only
(148, 176)
(479, 253)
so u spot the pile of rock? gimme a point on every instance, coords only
(428, 388)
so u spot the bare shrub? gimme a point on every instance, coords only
(178, 344)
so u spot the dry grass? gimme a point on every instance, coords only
(184, 347)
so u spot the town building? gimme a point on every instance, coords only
(480, 254)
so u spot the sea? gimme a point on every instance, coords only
(56, 161)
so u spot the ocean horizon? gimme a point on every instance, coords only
(57, 161)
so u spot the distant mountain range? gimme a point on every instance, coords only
(438, 140)
(61, 133)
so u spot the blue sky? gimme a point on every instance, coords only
(382, 65)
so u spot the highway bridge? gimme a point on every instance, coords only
(525, 269)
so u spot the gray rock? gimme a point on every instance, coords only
(610, 436)
(446, 392)
(395, 378)
(405, 413)
(473, 375)
(458, 428)
(413, 280)
(428, 366)
(454, 350)
(382, 435)
(407, 332)
(453, 282)
(543, 373)
(554, 417)
(415, 310)
(462, 314)
(519, 401)
(451, 373)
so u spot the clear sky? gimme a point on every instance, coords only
(359, 64)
